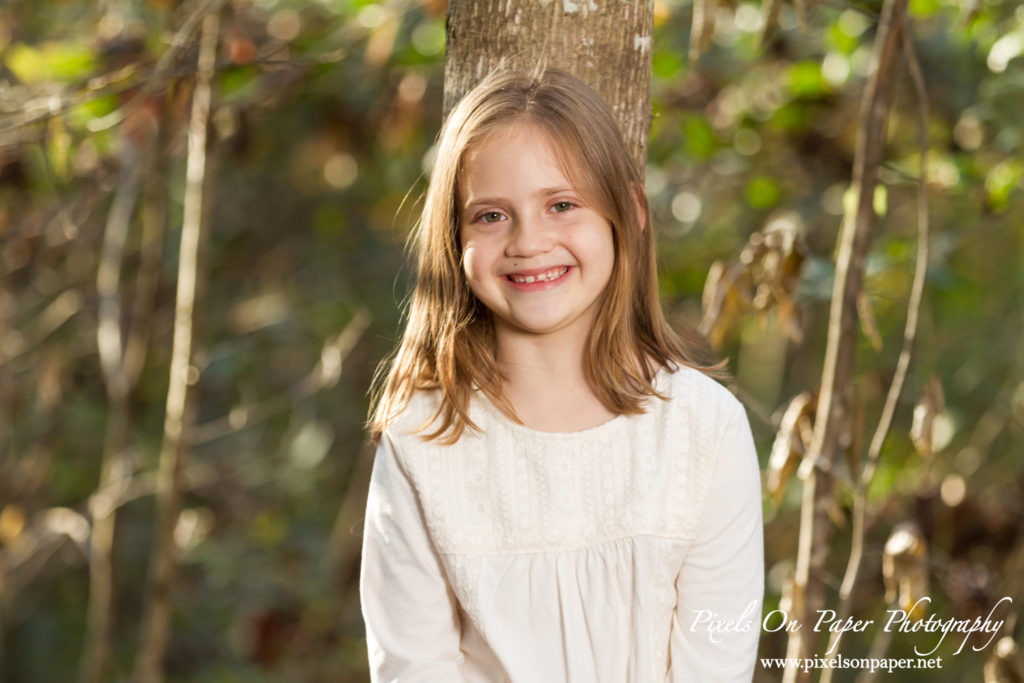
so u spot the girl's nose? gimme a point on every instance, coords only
(529, 237)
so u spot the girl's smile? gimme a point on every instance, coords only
(535, 252)
(537, 278)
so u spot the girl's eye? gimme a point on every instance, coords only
(561, 207)
(491, 217)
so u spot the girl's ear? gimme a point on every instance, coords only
(640, 204)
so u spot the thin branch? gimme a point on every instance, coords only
(756, 407)
(156, 619)
(324, 375)
(63, 214)
(96, 646)
(109, 341)
(906, 352)
(920, 266)
(122, 355)
(109, 328)
(833, 404)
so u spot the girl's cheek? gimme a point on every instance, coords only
(470, 260)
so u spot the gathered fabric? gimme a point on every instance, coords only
(631, 551)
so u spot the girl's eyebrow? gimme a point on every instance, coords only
(543, 192)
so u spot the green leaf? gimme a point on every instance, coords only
(238, 82)
(666, 64)
(839, 40)
(762, 192)
(923, 8)
(428, 38)
(50, 62)
(80, 115)
(805, 80)
(1001, 181)
(701, 141)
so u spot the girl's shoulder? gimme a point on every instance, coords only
(418, 411)
(695, 392)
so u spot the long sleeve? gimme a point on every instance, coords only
(716, 624)
(412, 624)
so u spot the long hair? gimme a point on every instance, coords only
(449, 345)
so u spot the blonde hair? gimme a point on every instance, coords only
(449, 346)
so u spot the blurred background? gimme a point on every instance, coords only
(323, 118)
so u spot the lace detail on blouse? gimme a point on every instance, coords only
(510, 489)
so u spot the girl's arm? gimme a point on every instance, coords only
(720, 586)
(412, 624)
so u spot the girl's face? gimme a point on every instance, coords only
(535, 252)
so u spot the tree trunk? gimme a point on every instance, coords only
(607, 44)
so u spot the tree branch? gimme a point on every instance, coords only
(906, 352)
(833, 404)
(155, 633)
(122, 354)
(325, 374)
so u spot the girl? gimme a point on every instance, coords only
(560, 493)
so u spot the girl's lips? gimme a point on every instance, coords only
(538, 278)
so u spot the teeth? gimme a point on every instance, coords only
(550, 275)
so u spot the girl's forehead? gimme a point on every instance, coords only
(522, 130)
(515, 132)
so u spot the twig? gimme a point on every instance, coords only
(122, 355)
(833, 409)
(756, 407)
(156, 618)
(109, 329)
(109, 341)
(324, 375)
(906, 352)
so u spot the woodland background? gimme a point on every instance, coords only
(322, 120)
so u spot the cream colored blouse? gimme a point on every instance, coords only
(630, 552)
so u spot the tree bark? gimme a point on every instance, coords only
(607, 44)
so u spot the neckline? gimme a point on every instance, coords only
(503, 419)
(598, 429)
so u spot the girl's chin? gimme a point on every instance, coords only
(536, 326)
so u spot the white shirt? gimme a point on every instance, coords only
(592, 556)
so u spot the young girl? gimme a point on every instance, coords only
(560, 493)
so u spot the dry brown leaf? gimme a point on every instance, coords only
(930, 405)
(905, 569)
(792, 321)
(724, 300)
(732, 308)
(711, 297)
(867, 321)
(12, 521)
(793, 265)
(790, 444)
(1005, 665)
